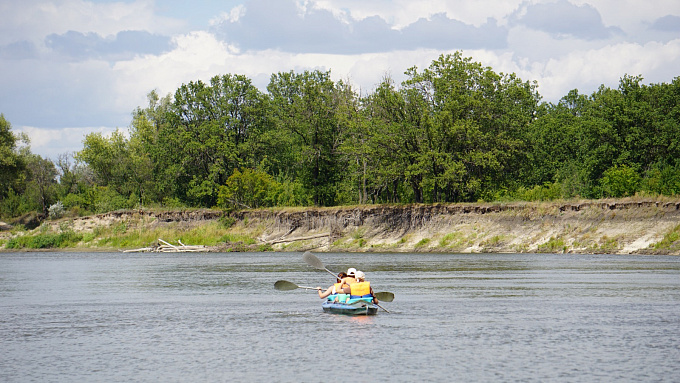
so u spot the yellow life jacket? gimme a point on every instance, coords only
(360, 289)
(337, 288)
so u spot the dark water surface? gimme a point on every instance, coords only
(113, 317)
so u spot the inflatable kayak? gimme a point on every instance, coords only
(358, 306)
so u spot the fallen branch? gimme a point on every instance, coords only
(297, 239)
(166, 247)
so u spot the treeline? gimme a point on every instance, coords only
(454, 132)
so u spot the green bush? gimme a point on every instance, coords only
(422, 243)
(45, 241)
(250, 189)
(662, 179)
(670, 240)
(56, 211)
(545, 192)
(554, 245)
(620, 181)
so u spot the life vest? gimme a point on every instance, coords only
(337, 288)
(360, 290)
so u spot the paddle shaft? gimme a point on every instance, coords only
(387, 311)
(331, 273)
(288, 286)
(308, 288)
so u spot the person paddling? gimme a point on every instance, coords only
(361, 289)
(335, 288)
(350, 277)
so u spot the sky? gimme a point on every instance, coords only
(72, 67)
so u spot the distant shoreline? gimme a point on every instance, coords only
(622, 226)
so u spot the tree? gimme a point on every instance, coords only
(390, 145)
(109, 158)
(42, 178)
(468, 128)
(304, 105)
(207, 133)
(12, 163)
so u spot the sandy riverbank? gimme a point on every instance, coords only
(604, 226)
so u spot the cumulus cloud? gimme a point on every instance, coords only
(564, 19)
(33, 20)
(123, 46)
(72, 66)
(19, 50)
(50, 143)
(402, 13)
(317, 30)
(668, 23)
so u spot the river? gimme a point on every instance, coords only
(115, 317)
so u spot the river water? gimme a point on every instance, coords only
(114, 317)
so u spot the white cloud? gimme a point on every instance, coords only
(631, 15)
(49, 96)
(586, 70)
(33, 20)
(232, 16)
(50, 143)
(401, 13)
(197, 55)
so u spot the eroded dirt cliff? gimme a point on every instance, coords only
(585, 227)
(619, 227)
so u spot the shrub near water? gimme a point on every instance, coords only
(45, 241)
(125, 236)
(670, 240)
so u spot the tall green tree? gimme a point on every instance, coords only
(208, 133)
(42, 181)
(305, 105)
(12, 164)
(391, 145)
(465, 129)
(109, 158)
(154, 177)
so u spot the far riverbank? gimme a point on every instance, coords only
(625, 226)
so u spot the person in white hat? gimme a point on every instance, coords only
(350, 278)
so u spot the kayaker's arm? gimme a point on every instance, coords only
(325, 293)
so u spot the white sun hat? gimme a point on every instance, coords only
(351, 271)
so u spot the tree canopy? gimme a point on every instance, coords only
(456, 131)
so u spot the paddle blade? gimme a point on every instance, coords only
(285, 285)
(385, 296)
(313, 261)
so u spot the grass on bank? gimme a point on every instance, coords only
(127, 235)
(670, 241)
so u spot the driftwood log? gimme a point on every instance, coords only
(283, 240)
(166, 247)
